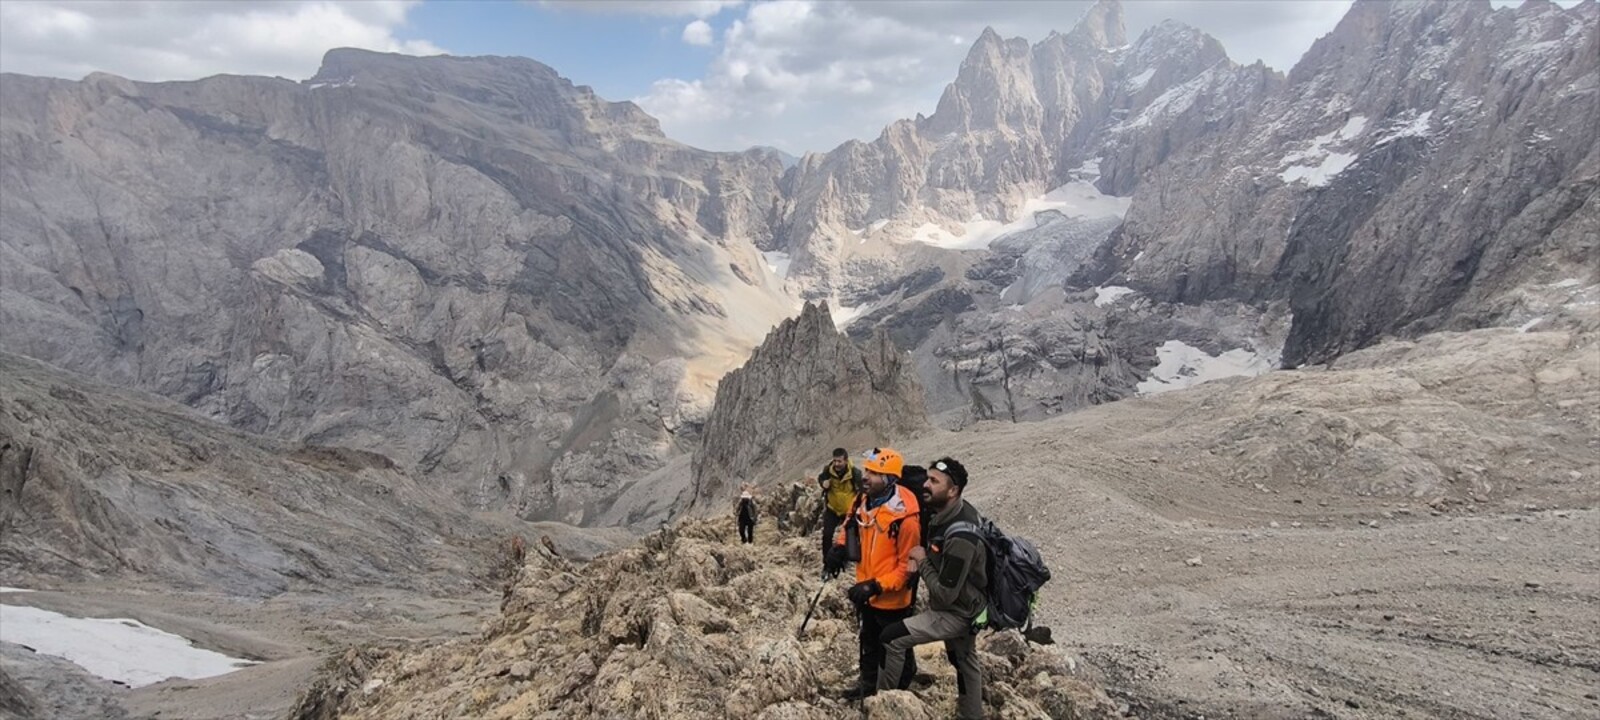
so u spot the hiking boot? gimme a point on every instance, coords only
(858, 691)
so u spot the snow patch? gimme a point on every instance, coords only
(1567, 283)
(1319, 175)
(1074, 199)
(1183, 365)
(1316, 165)
(1418, 127)
(1104, 296)
(877, 225)
(1174, 101)
(778, 263)
(847, 315)
(127, 651)
(12, 589)
(1529, 325)
(1137, 82)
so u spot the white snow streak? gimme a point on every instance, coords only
(1075, 199)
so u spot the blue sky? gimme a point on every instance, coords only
(800, 75)
(619, 55)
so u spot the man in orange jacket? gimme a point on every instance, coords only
(884, 521)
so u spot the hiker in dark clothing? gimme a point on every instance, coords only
(747, 516)
(954, 569)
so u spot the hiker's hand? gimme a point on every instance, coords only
(861, 592)
(834, 562)
(917, 554)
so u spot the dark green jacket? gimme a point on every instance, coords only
(956, 571)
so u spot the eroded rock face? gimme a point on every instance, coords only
(471, 266)
(106, 483)
(686, 624)
(806, 384)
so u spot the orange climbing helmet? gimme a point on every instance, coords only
(884, 461)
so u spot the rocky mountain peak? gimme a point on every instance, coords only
(806, 384)
(1101, 27)
(994, 88)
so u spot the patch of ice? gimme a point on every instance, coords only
(12, 589)
(1104, 296)
(127, 651)
(778, 263)
(1183, 365)
(1074, 199)
(1137, 82)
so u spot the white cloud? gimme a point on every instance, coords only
(661, 8)
(184, 40)
(809, 74)
(799, 74)
(697, 33)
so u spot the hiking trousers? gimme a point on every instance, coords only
(747, 531)
(830, 526)
(873, 624)
(959, 646)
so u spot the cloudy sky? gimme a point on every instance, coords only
(720, 74)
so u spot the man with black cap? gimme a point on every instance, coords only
(955, 570)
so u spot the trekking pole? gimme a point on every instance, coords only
(800, 634)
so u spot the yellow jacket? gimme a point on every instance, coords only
(840, 490)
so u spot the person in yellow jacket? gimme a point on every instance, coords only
(885, 525)
(840, 482)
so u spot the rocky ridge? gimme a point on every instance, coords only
(685, 624)
(806, 383)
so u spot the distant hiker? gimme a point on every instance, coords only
(747, 516)
(954, 567)
(882, 523)
(840, 482)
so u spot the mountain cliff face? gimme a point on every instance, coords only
(807, 386)
(1423, 159)
(468, 265)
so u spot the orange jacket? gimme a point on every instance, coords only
(888, 533)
